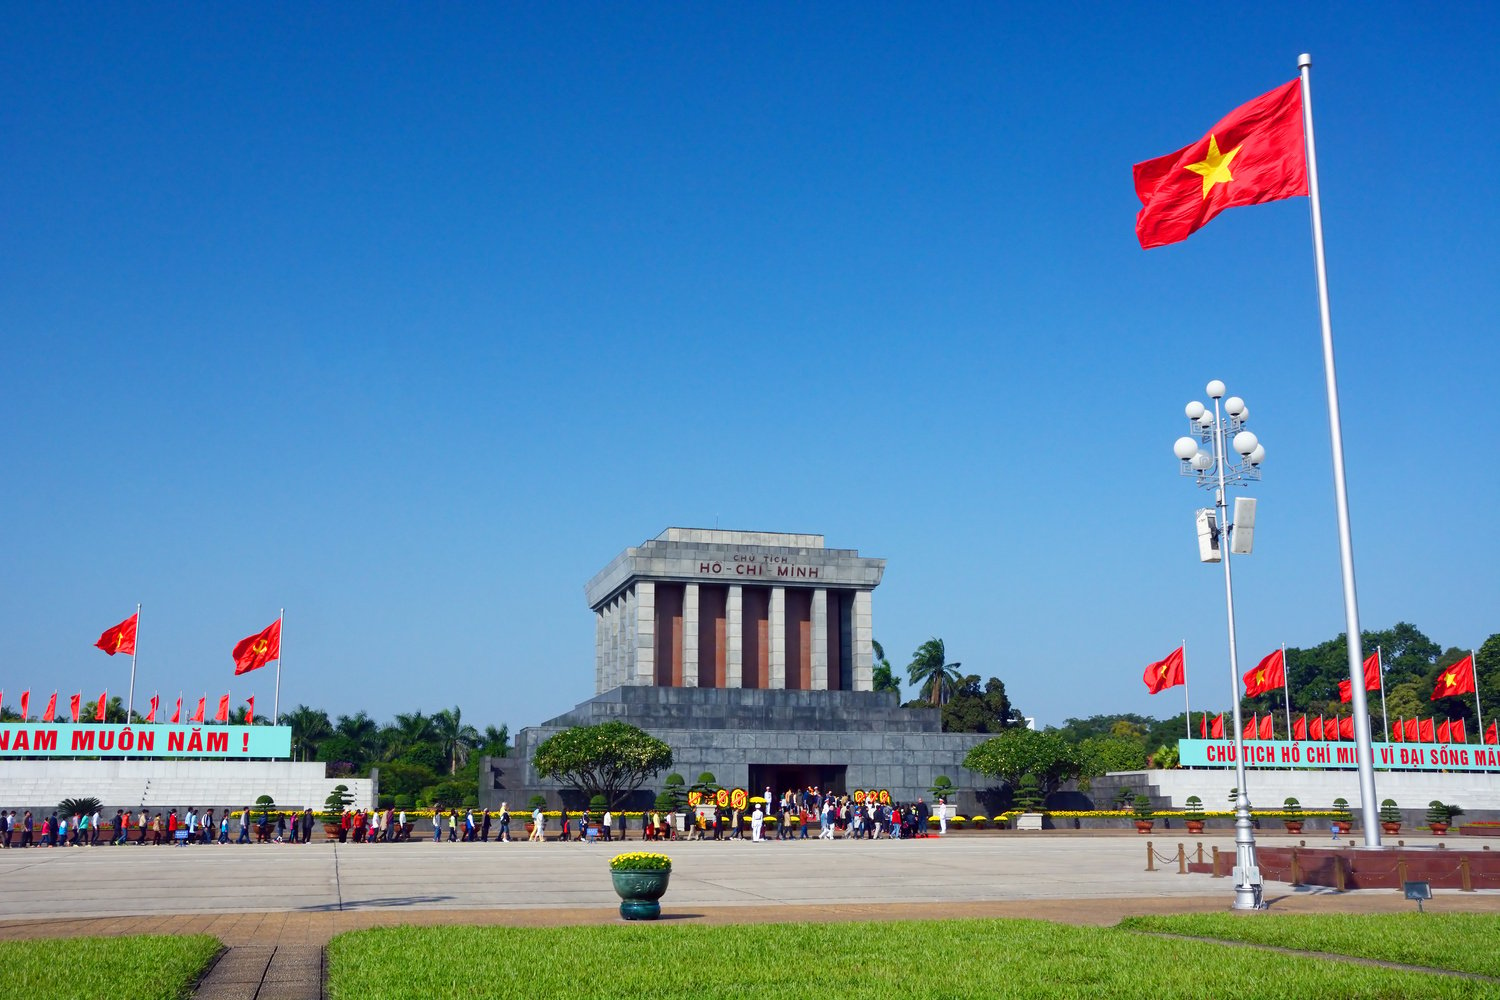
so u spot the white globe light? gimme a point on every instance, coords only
(1194, 410)
(1203, 461)
(1234, 406)
(1215, 389)
(1258, 455)
(1245, 442)
(1207, 420)
(1185, 448)
(1244, 413)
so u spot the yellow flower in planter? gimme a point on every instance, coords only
(640, 861)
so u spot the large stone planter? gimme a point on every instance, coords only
(639, 892)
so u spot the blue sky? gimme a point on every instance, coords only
(409, 320)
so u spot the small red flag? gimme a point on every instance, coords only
(155, 702)
(1267, 675)
(1267, 730)
(177, 712)
(1253, 155)
(1492, 735)
(1397, 731)
(1165, 673)
(1315, 731)
(250, 710)
(1252, 730)
(1299, 729)
(1457, 679)
(198, 715)
(76, 704)
(1203, 726)
(51, 713)
(1346, 691)
(1442, 732)
(1413, 731)
(1372, 672)
(1331, 729)
(1427, 731)
(255, 651)
(223, 713)
(121, 638)
(1346, 728)
(1458, 731)
(1218, 728)
(25, 704)
(99, 710)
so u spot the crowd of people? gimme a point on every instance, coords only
(87, 829)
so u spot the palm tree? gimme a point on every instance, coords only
(884, 678)
(456, 738)
(409, 729)
(362, 731)
(495, 740)
(310, 726)
(934, 678)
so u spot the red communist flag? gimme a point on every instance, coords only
(1217, 732)
(25, 704)
(1442, 732)
(1427, 731)
(198, 715)
(1457, 679)
(1299, 729)
(255, 651)
(222, 715)
(99, 709)
(250, 710)
(76, 704)
(121, 638)
(1458, 731)
(1165, 673)
(155, 703)
(1492, 735)
(1315, 731)
(1413, 731)
(51, 713)
(1267, 675)
(1254, 154)
(1346, 728)
(177, 712)
(1267, 730)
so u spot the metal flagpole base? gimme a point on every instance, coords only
(1247, 882)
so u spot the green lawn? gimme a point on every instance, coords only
(1461, 941)
(879, 961)
(137, 968)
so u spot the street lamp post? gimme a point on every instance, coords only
(1204, 455)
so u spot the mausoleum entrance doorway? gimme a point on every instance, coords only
(780, 777)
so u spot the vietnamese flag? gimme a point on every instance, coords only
(1413, 731)
(25, 704)
(223, 713)
(250, 710)
(1254, 154)
(1427, 731)
(76, 704)
(177, 713)
(155, 702)
(1266, 730)
(1165, 673)
(1492, 735)
(255, 651)
(1218, 727)
(121, 638)
(99, 710)
(1299, 729)
(1267, 675)
(1442, 732)
(198, 715)
(1457, 679)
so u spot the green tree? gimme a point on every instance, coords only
(495, 741)
(610, 759)
(884, 677)
(1018, 752)
(310, 726)
(362, 733)
(399, 778)
(454, 736)
(1098, 755)
(976, 710)
(930, 672)
(408, 730)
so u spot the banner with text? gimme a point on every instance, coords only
(60, 739)
(1280, 754)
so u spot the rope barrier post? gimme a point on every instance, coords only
(1465, 879)
(1338, 873)
(1150, 857)
(1181, 860)
(1200, 852)
(1400, 873)
(1296, 877)
(1216, 862)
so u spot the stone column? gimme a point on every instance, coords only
(820, 640)
(599, 651)
(645, 633)
(627, 638)
(690, 635)
(734, 626)
(776, 629)
(864, 653)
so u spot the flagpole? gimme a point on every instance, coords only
(1385, 717)
(1478, 712)
(276, 698)
(130, 699)
(1188, 706)
(1286, 692)
(1369, 810)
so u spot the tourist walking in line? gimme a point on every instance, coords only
(504, 837)
(484, 826)
(453, 825)
(536, 825)
(94, 829)
(607, 822)
(27, 829)
(437, 824)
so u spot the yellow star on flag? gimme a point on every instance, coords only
(1215, 166)
(1450, 679)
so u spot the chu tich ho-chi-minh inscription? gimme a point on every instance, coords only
(701, 607)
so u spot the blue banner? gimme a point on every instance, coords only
(1282, 754)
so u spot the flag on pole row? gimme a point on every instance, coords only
(1267, 675)
(223, 713)
(1372, 679)
(155, 703)
(76, 704)
(1165, 673)
(1492, 735)
(120, 638)
(177, 713)
(1254, 154)
(99, 709)
(1457, 679)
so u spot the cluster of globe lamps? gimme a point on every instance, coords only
(1191, 449)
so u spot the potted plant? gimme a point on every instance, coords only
(1343, 819)
(640, 878)
(1192, 814)
(1292, 810)
(1144, 814)
(333, 810)
(1123, 798)
(1390, 817)
(1439, 816)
